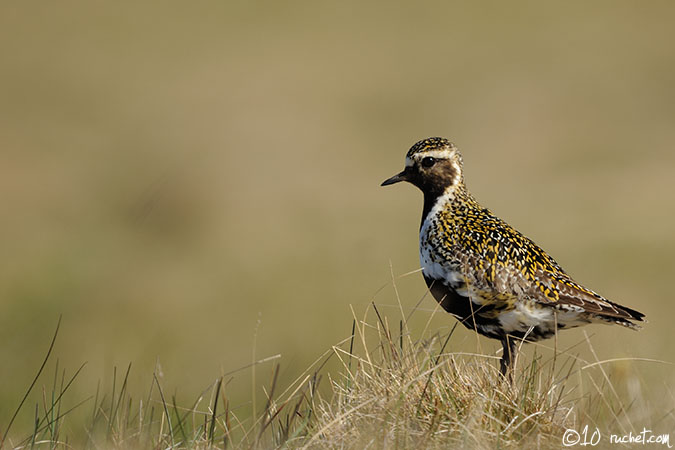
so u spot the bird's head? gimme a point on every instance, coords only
(434, 165)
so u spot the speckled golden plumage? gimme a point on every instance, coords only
(483, 271)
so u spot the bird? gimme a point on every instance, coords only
(483, 271)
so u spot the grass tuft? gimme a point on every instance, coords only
(391, 391)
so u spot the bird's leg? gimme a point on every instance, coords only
(508, 355)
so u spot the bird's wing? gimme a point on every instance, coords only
(508, 263)
(566, 291)
(572, 293)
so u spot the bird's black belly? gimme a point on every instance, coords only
(480, 318)
(483, 319)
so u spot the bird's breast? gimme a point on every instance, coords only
(436, 258)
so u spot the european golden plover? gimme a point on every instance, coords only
(488, 275)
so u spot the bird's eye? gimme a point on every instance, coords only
(428, 161)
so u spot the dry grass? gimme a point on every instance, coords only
(393, 391)
(404, 393)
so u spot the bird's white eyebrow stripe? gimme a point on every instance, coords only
(440, 154)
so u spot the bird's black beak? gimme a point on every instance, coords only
(403, 176)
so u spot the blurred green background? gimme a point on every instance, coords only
(183, 179)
